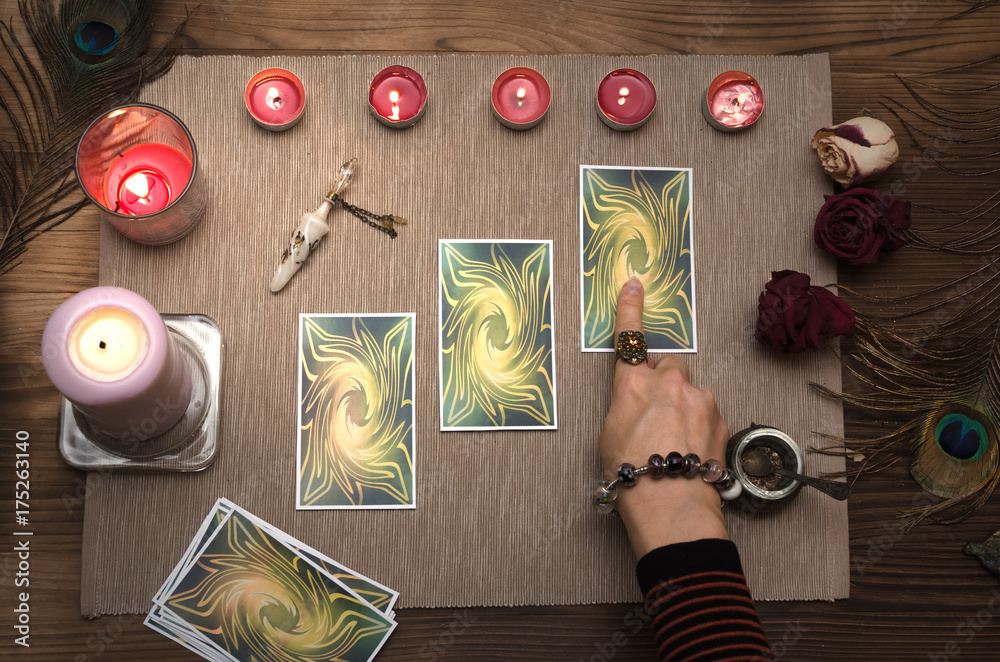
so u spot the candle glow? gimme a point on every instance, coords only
(520, 98)
(397, 96)
(275, 99)
(107, 344)
(394, 100)
(625, 99)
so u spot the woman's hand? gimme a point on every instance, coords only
(655, 409)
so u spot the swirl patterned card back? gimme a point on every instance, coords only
(496, 345)
(356, 414)
(250, 595)
(637, 222)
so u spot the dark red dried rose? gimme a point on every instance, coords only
(860, 224)
(793, 316)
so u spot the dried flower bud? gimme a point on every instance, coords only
(857, 150)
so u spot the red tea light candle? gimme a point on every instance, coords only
(733, 102)
(520, 98)
(625, 99)
(275, 99)
(109, 352)
(398, 97)
(145, 179)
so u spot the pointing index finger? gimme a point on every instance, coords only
(629, 313)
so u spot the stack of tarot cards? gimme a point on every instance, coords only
(246, 591)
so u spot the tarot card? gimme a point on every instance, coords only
(637, 222)
(252, 597)
(356, 446)
(496, 335)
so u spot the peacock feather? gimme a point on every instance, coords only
(929, 361)
(93, 56)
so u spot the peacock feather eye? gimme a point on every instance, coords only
(99, 28)
(957, 453)
(95, 37)
(961, 437)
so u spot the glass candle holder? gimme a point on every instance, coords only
(140, 389)
(139, 165)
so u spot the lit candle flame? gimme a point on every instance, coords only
(394, 98)
(138, 185)
(622, 93)
(520, 95)
(273, 99)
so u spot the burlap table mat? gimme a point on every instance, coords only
(502, 518)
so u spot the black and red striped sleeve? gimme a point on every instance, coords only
(700, 607)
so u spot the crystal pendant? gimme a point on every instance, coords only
(344, 177)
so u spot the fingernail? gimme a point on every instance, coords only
(633, 286)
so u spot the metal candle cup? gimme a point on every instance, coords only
(520, 98)
(275, 99)
(139, 165)
(397, 97)
(625, 99)
(733, 102)
(109, 353)
(772, 441)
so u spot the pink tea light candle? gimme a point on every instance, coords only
(520, 98)
(625, 99)
(110, 354)
(275, 99)
(397, 97)
(733, 102)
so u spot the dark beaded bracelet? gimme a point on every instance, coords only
(673, 465)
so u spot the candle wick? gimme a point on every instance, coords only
(102, 345)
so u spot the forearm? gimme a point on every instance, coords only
(700, 605)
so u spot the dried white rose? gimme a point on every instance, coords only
(857, 150)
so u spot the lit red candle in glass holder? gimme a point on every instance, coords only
(138, 164)
(733, 101)
(276, 99)
(398, 97)
(625, 99)
(520, 98)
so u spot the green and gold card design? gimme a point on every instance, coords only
(356, 411)
(245, 593)
(637, 222)
(496, 344)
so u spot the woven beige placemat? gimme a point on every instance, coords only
(502, 518)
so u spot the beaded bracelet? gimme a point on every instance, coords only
(673, 465)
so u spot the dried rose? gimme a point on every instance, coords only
(793, 316)
(857, 150)
(860, 224)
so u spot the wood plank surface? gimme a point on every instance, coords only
(914, 597)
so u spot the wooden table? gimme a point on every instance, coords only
(913, 597)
